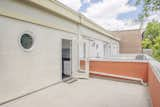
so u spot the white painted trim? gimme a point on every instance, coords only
(71, 55)
(31, 20)
(66, 12)
(154, 70)
(33, 37)
(45, 24)
(110, 59)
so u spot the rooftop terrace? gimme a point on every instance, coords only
(88, 93)
(131, 81)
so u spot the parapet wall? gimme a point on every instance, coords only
(128, 69)
(142, 70)
(154, 87)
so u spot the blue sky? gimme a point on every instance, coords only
(132, 14)
(111, 14)
(85, 4)
(123, 16)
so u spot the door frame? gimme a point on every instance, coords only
(84, 73)
(86, 54)
(71, 56)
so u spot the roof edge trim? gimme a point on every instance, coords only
(66, 12)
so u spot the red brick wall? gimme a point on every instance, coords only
(130, 69)
(82, 64)
(154, 87)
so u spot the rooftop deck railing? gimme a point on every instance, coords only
(123, 66)
(155, 65)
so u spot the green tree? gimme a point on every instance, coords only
(152, 31)
(152, 34)
(156, 48)
(149, 6)
(152, 38)
(146, 43)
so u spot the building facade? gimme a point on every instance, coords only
(130, 40)
(42, 42)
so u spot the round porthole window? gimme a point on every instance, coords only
(26, 41)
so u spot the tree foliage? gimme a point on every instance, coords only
(152, 34)
(146, 43)
(152, 31)
(149, 6)
(152, 38)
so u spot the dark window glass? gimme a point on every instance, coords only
(26, 41)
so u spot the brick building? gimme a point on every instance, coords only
(130, 40)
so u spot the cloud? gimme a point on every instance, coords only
(154, 16)
(74, 4)
(105, 13)
(85, 1)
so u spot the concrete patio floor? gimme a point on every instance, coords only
(88, 93)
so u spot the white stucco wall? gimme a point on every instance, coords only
(22, 71)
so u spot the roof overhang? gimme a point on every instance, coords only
(66, 12)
